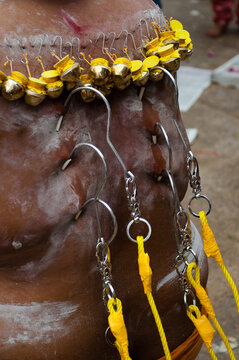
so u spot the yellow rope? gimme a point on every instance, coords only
(118, 328)
(146, 275)
(205, 301)
(204, 327)
(212, 250)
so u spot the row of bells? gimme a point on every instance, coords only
(166, 52)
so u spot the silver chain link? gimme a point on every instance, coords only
(104, 266)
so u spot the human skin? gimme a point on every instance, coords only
(51, 291)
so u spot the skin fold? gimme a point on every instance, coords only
(51, 291)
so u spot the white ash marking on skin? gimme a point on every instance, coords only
(54, 193)
(17, 245)
(36, 322)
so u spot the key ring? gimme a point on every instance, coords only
(199, 196)
(137, 220)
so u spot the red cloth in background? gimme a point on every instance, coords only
(223, 10)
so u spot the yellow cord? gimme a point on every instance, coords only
(204, 327)
(146, 275)
(118, 328)
(205, 301)
(212, 250)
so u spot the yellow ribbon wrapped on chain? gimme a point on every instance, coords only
(118, 328)
(145, 273)
(204, 327)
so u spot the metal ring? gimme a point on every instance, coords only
(189, 292)
(110, 292)
(198, 197)
(138, 220)
(94, 200)
(190, 250)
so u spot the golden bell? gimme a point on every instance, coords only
(156, 75)
(86, 94)
(35, 92)
(100, 71)
(68, 69)
(33, 98)
(142, 80)
(13, 87)
(122, 85)
(54, 85)
(189, 53)
(121, 70)
(104, 90)
(183, 52)
(3, 77)
(172, 64)
(72, 73)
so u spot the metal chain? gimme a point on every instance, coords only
(104, 266)
(132, 196)
(193, 174)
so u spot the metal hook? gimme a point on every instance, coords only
(175, 104)
(154, 140)
(147, 28)
(110, 211)
(68, 161)
(132, 37)
(108, 121)
(78, 45)
(61, 43)
(103, 41)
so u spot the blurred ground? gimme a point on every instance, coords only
(216, 115)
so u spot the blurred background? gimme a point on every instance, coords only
(215, 115)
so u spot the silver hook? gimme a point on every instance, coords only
(191, 159)
(154, 140)
(132, 37)
(112, 42)
(141, 30)
(110, 211)
(103, 41)
(108, 121)
(61, 43)
(175, 105)
(68, 161)
(77, 40)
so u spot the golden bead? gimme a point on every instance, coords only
(35, 92)
(122, 85)
(156, 75)
(86, 94)
(13, 87)
(33, 98)
(100, 71)
(54, 85)
(172, 64)
(104, 90)
(54, 90)
(121, 71)
(142, 80)
(183, 53)
(72, 73)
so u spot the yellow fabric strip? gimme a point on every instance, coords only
(211, 249)
(204, 299)
(145, 272)
(118, 328)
